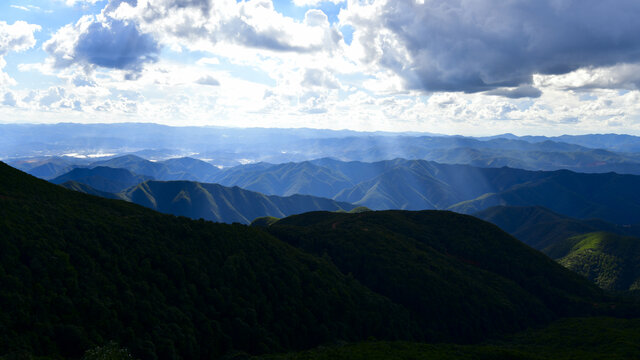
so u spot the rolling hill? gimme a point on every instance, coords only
(430, 261)
(611, 197)
(540, 227)
(223, 204)
(77, 271)
(102, 178)
(172, 169)
(611, 261)
(419, 184)
(285, 179)
(605, 253)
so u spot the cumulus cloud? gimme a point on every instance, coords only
(253, 23)
(620, 76)
(16, 37)
(314, 2)
(480, 45)
(98, 41)
(9, 99)
(208, 80)
(320, 78)
(523, 91)
(81, 2)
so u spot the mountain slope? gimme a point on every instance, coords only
(540, 227)
(84, 188)
(77, 271)
(431, 261)
(611, 261)
(286, 179)
(190, 169)
(102, 178)
(184, 168)
(601, 251)
(611, 197)
(223, 204)
(48, 167)
(419, 184)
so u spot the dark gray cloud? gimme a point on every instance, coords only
(523, 91)
(117, 45)
(480, 45)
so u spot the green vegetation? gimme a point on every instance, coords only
(264, 221)
(611, 261)
(214, 202)
(223, 204)
(77, 271)
(430, 261)
(419, 185)
(610, 197)
(80, 274)
(595, 249)
(541, 228)
(568, 339)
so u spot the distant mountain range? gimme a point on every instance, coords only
(392, 184)
(102, 178)
(606, 253)
(171, 169)
(22, 145)
(419, 184)
(214, 202)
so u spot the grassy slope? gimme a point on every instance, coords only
(594, 248)
(610, 260)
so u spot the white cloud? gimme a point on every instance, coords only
(9, 99)
(80, 2)
(14, 38)
(17, 37)
(315, 2)
(200, 25)
(23, 8)
(620, 76)
(208, 80)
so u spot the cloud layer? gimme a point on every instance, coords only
(480, 45)
(451, 66)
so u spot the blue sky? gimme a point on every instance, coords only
(473, 67)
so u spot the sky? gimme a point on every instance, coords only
(470, 67)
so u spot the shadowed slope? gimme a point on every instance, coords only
(430, 262)
(76, 270)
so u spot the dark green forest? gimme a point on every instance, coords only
(80, 274)
(77, 271)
